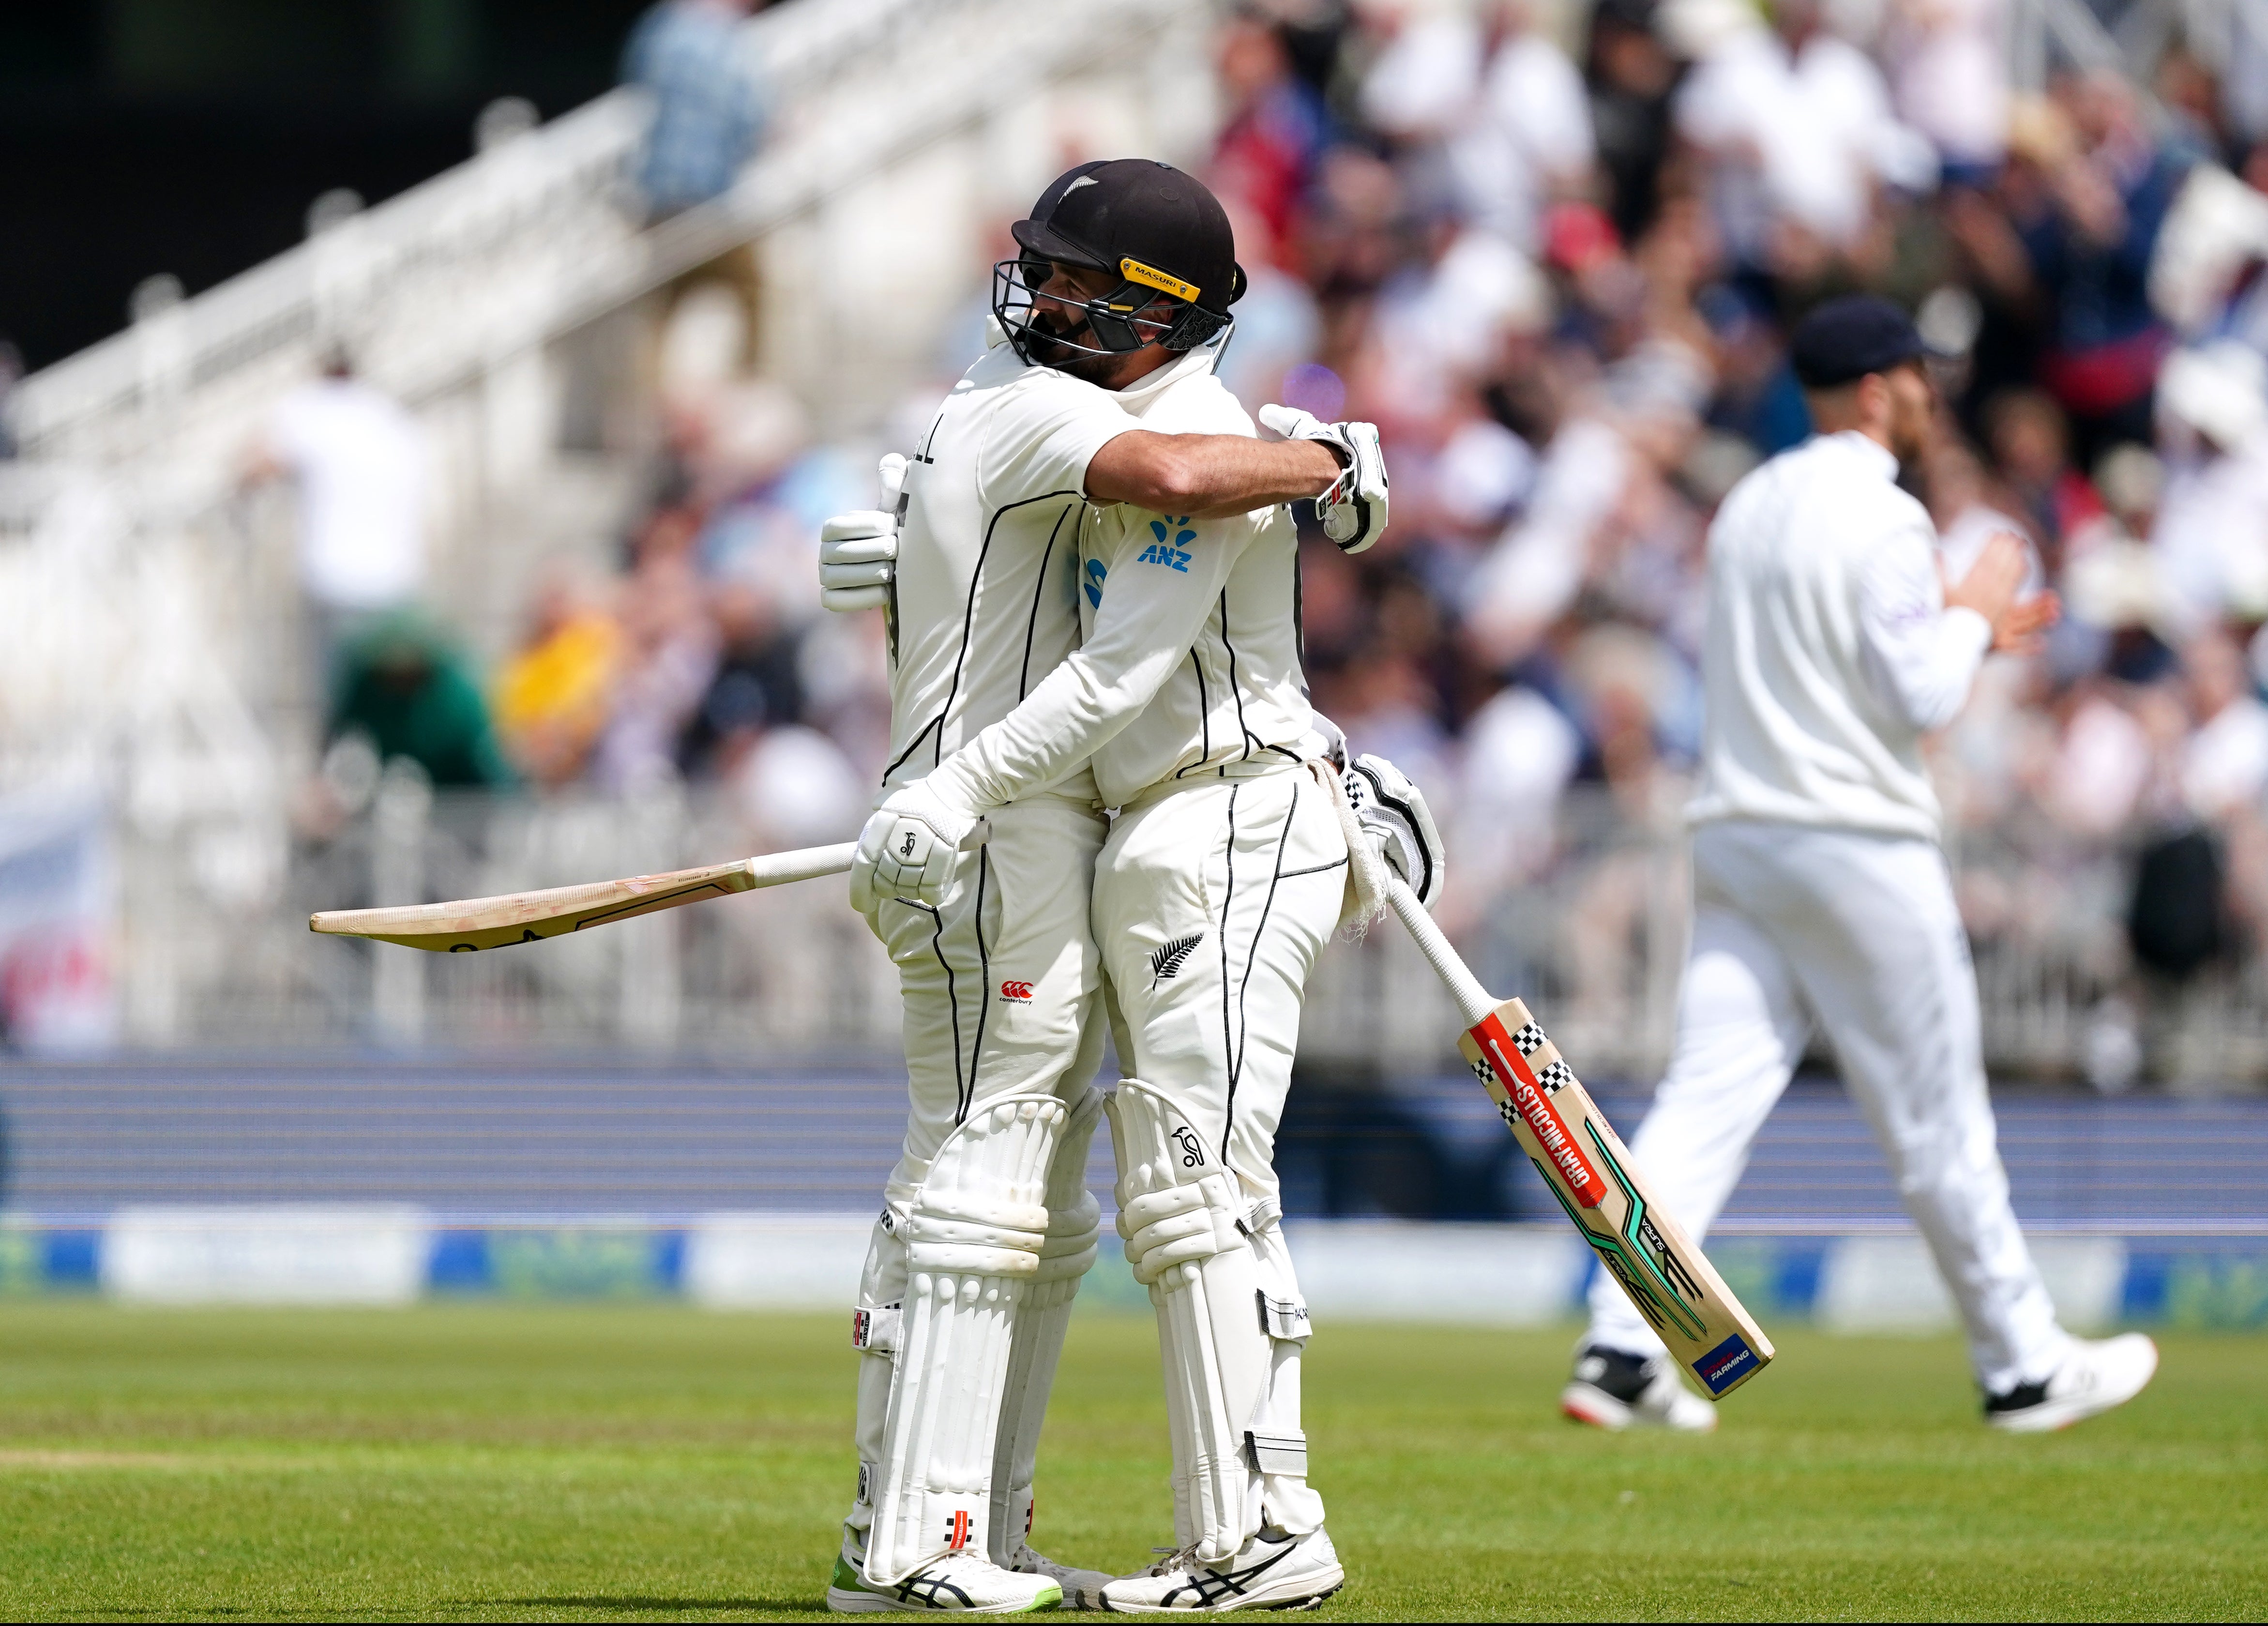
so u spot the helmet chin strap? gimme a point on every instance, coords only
(1219, 345)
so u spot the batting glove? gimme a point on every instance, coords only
(858, 557)
(1354, 511)
(858, 552)
(1393, 813)
(908, 848)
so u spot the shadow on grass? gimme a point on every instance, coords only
(634, 1601)
(171, 1611)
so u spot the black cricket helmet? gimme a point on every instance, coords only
(1160, 230)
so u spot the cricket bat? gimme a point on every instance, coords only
(1588, 1168)
(471, 924)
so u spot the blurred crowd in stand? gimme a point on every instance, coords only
(1555, 257)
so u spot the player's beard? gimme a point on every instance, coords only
(1911, 435)
(1913, 426)
(1053, 341)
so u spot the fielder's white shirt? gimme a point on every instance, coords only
(1830, 651)
(988, 564)
(359, 458)
(1190, 667)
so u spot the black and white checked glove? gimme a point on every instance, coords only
(1393, 813)
(1354, 511)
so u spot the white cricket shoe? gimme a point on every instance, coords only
(2096, 1375)
(1081, 1587)
(953, 1583)
(1274, 1571)
(1614, 1390)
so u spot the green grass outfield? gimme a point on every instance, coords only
(499, 1461)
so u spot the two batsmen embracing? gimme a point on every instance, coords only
(1092, 584)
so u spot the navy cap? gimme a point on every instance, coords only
(1848, 338)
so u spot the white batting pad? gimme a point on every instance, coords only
(1036, 1335)
(1182, 1216)
(973, 1242)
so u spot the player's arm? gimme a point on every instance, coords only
(1204, 476)
(1923, 641)
(1342, 467)
(1151, 613)
(1208, 476)
(1087, 441)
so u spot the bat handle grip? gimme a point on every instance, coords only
(1473, 1001)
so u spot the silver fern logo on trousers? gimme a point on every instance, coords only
(1168, 959)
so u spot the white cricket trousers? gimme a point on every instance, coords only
(1001, 982)
(1859, 933)
(1211, 904)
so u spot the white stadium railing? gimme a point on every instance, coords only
(1594, 939)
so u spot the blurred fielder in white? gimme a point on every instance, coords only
(358, 460)
(1820, 892)
(988, 1226)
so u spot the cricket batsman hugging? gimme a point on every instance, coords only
(1090, 576)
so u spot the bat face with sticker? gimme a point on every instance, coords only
(1588, 1170)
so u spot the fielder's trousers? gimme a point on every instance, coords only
(1860, 934)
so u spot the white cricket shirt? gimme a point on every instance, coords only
(1830, 651)
(987, 583)
(360, 461)
(1190, 667)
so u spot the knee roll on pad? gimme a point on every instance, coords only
(1181, 1217)
(1074, 1231)
(982, 1207)
(1074, 1228)
(1180, 1225)
(973, 1238)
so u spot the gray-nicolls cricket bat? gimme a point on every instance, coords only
(471, 924)
(1590, 1172)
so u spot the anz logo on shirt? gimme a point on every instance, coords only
(1095, 571)
(1172, 555)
